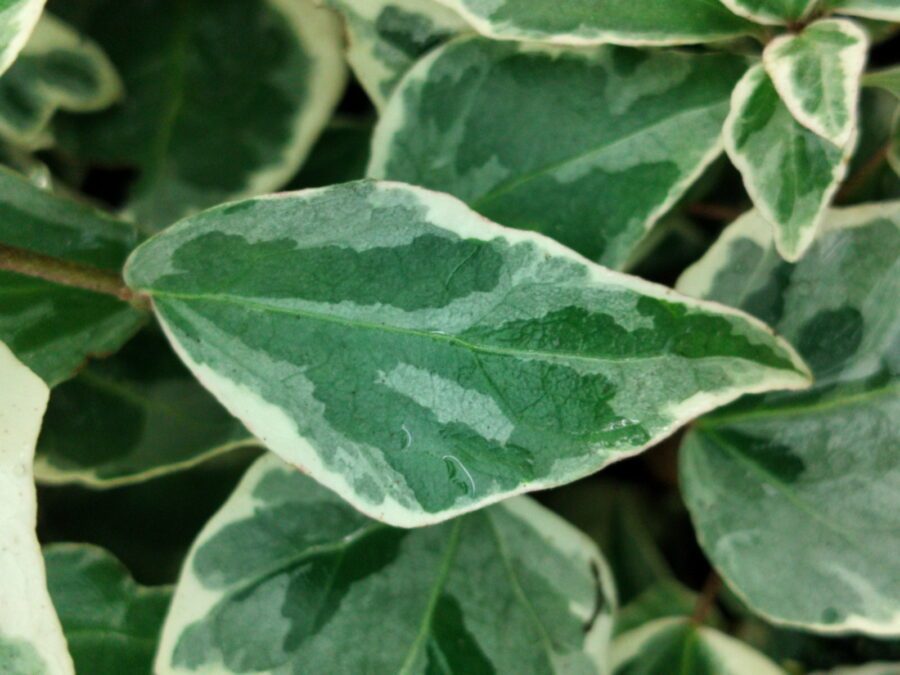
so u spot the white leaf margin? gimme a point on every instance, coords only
(21, 17)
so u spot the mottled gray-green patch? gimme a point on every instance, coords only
(17, 20)
(631, 130)
(681, 647)
(19, 657)
(57, 69)
(422, 361)
(54, 328)
(786, 482)
(111, 623)
(628, 22)
(189, 89)
(790, 172)
(386, 37)
(135, 416)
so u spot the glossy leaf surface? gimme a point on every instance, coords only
(422, 361)
(796, 497)
(616, 137)
(287, 577)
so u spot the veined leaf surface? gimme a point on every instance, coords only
(57, 69)
(386, 37)
(680, 647)
(422, 361)
(882, 10)
(616, 137)
(135, 416)
(790, 172)
(590, 22)
(796, 497)
(31, 640)
(287, 577)
(818, 75)
(773, 12)
(112, 624)
(53, 328)
(225, 97)
(17, 20)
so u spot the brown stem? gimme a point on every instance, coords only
(864, 173)
(29, 263)
(718, 212)
(707, 599)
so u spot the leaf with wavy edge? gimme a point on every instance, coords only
(796, 497)
(424, 362)
(681, 647)
(818, 75)
(790, 172)
(30, 634)
(466, 121)
(112, 624)
(17, 19)
(286, 576)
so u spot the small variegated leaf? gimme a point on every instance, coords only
(887, 79)
(817, 74)
(58, 69)
(589, 22)
(680, 647)
(31, 639)
(466, 121)
(17, 19)
(53, 329)
(882, 10)
(112, 624)
(422, 361)
(772, 12)
(132, 417)
(386, 37)
(796, 497)
(225, 97)
(790, 172)
(288, 578)
(664, 599)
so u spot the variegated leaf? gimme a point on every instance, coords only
(887, 79)
(423, 362)
(796, 497)
(773, 12)
(57, 69)
(225, 97)
(867, 669)
(790, 172)
(386, 37)
(17, 20)
(466, 121)
(31, 640)
(883, 10)
(663, 600)
(287, 578)
(818, 75)
(680, 647)
(111, 623)
(590, 22)
(132, 417)
(53, 329)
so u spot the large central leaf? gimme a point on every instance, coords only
(422, 361)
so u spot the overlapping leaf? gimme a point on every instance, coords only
(422, 361)
(614, 139)
(57, 69)
(818, 75)
(772, 11)
(680, 647)
(580, 22)
(287, 577)
(386, 37)
(53, 328)
(17, 20)
(137, 415)
(883, 10)
(790, 172)
(225, 97)
(112, 624)
(31, 640)
(796, 497)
